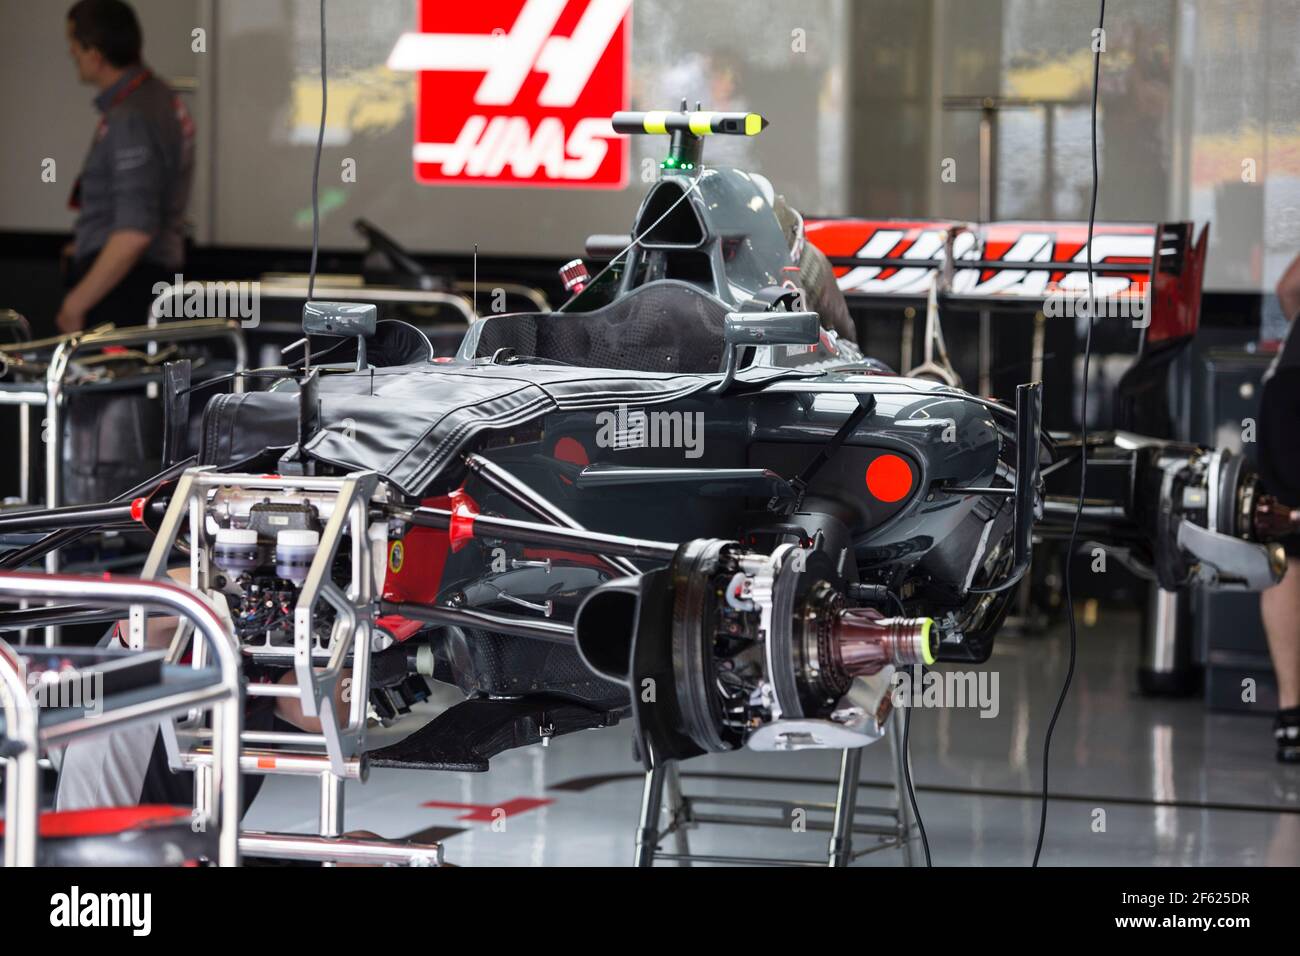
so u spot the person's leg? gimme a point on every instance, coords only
(129, 766)
(1280, 609)
(106, 770)
(110, 769)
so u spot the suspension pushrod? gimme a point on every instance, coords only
(557, 632)
(466, 524)
(58, 539)
(56, 616)
(502, 481)
(68, 516)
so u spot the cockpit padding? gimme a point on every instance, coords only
(663, 326)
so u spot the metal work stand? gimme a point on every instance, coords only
(1166, 652)
(460, 298)
(51, 393)
(28, 730)
(220, 753)
(683, 815)
(337, 753)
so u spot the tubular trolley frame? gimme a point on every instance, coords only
(29, 730)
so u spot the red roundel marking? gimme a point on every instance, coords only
(889, 478)
(571, 450)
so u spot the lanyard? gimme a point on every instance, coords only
(74, 200)
(136, 82)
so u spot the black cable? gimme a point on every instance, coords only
(1083, 449)
(906, 755)
(1004, 586)
(630, 246)
(274, 372)
(315, 175)
(907, 774)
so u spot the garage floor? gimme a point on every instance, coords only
(1178, 786)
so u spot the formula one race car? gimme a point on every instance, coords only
(685, 496)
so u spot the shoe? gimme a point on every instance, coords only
(1286, 731)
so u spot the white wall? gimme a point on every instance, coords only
(267, 108)
(1197, 96)
(46, 113)
(257, 102)
(1192, 88)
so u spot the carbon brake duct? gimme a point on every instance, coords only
(1026, 497)
(1029, 421)
(177, 385)
(619, 633)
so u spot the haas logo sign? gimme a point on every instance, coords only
(519, 92)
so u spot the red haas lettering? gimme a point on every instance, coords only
(519, 92)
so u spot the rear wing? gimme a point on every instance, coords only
(1150, 272)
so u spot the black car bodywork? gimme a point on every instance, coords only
(771, 517)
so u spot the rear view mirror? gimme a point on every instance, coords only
(339, 318)
(740, 329)
(771, 328)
